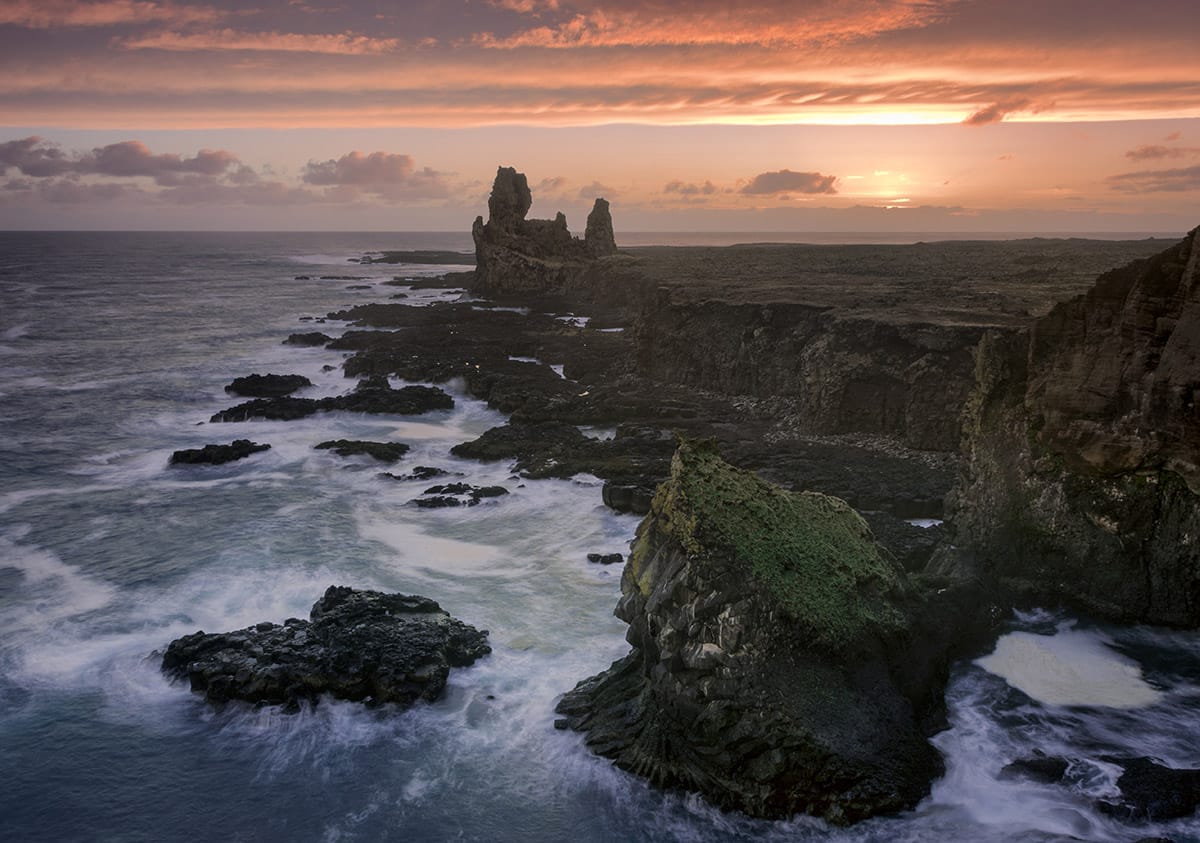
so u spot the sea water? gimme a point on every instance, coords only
(114, 351)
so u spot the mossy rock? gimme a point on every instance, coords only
(814, 554)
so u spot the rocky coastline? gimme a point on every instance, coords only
(796, 423)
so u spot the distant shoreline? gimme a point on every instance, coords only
(460, 241)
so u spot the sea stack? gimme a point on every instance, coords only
(515, 255)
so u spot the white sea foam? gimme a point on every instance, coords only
(48, 590)
(1072, 667)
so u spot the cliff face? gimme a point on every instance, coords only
(1082, 481)
(906, 380)
(514, 255)
(781, 662)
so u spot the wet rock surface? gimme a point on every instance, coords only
(218, 454)
(457, 494)
(373, 396)
(308, 338)
(267, 386)
(382, 451)
(357, 645)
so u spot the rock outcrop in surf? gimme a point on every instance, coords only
(782, 662)
(356, 645)
(1082, 477)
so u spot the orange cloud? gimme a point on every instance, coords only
(45, 14)
(225, 40)
(583, 62)
(705, 22)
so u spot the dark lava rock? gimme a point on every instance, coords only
(358, 645)
(781, 661)
(1151, 791)
(1039, 768)
(421, 472)
(373, 398)
(517, 440)
(605, 558)
(217, 454)
(311, 338)
(637, 456)
(267, 386)
(457, 494)
(382, 451)
(515, 255)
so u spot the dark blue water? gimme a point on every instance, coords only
(114, 351)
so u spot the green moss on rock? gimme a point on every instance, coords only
(813, 552)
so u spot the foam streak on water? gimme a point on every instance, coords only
(116, 351)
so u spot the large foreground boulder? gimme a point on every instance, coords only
(781, 661)
(1082, 479)
(357, 645)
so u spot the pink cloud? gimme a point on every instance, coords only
(226, 40)
(996, 112)
(45, 14)
(788, 181)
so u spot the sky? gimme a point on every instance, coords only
(696, 115)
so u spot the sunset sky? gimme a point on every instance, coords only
(817, 115)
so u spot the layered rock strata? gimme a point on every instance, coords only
(1082, 481)
(781, 663)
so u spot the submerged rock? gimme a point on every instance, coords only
(309, 338)
(372, 398)
(781, 661)
(382, 451)
(267, 386)
(1154, 792)
(457, 494)
(218, 454)
(357, 645)
(421, 472)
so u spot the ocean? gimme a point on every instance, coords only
(114, 351)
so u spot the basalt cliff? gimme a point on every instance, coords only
(1082, 446)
